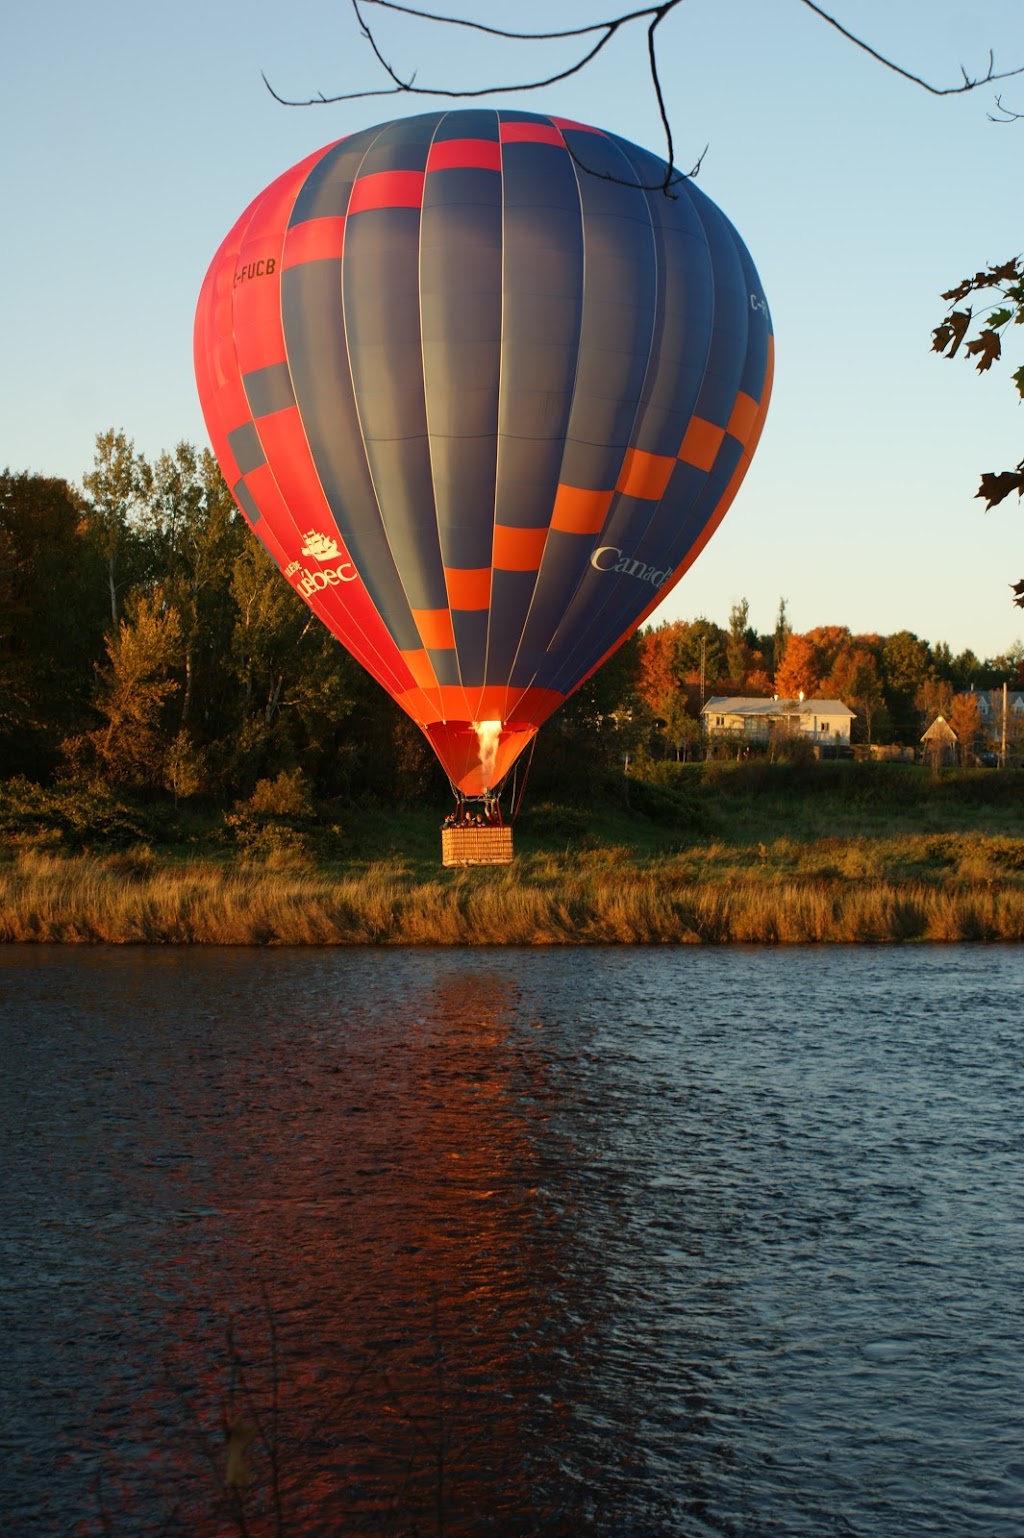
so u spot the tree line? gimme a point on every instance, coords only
(148, 642)
(896, 684)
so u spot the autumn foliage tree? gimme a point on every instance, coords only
(799, 672)
(965, 719)
(133, 745)
(855, 679)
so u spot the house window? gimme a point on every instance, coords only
(719, 720)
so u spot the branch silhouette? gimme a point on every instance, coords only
(606, 30)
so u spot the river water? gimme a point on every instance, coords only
(623, 1242)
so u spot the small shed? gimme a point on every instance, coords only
(940, 742)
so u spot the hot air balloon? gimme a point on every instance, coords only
(484, 390)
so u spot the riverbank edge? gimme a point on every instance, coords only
(86, 900)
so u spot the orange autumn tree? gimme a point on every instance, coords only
(830, 642)
(965, 719)
(657, 679)
(856, 681)
(799, 672)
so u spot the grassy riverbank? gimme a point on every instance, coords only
(732, 853)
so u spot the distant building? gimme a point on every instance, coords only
(990, 705)
(825, 723)
(940, 742)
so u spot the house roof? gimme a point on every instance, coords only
(740, 705)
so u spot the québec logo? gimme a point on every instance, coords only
(611, 558)
(320, 547)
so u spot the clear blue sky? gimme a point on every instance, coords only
(134, 134)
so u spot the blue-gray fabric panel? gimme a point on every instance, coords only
(605, 604)
(325, 192)
(380, 279)
(446, 667)
(661, 534)
(460, 285)
(542, 314)
(511, 592)
(470, 626)
(463, 472)
(244, 443)
(693, 514)
(731, 317)
(683, 512)
(314, 329)
(269, 389)
(566, 559)
(759, 327)
(244, 497)
(401, 145)
(620, 296)
(471, 123)
(608, 601)
(682, 340)
(542, 298)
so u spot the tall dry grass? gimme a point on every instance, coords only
(713, 896)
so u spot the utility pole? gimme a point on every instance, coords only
(703, 723)
(1002, 754)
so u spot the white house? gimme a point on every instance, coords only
(754, 720)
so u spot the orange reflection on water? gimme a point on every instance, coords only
(391, 1258)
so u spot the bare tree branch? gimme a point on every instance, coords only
(1008, 114)
(967, 83)
(608, 29)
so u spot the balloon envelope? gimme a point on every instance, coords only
(484, 391)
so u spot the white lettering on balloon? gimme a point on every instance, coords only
(315, 581)
(611, 558)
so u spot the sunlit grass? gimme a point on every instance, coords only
(949, 886)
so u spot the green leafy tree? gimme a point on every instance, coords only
(605, 719)
(702, 653)
(906, 662)
(117, 515)
(782, 633)
(197, 536)
(300, 698)
(739, 648)
(51, 621)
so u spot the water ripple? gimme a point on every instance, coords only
(613, 1242)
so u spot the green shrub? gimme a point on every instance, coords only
(286, 796)
(76, 817)
(549, 821)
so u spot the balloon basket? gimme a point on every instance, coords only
(476, 846)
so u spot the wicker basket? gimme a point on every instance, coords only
(476, 846)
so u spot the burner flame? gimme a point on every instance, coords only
(488, 734)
